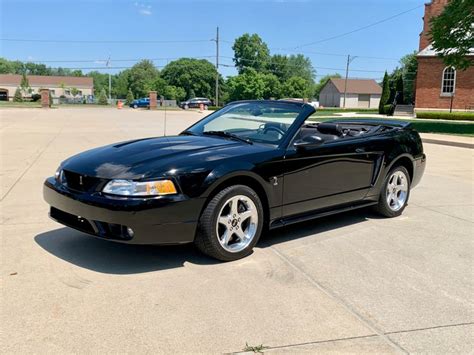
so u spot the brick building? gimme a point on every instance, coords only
(439, 86)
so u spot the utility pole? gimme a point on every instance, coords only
(110, 80)
(349, 60)
(217, 67)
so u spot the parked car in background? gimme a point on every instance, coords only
(143, 102)
(315, 104)
(196, 103)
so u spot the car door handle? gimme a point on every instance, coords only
(360, 150)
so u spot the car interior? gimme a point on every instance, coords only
(329, 131)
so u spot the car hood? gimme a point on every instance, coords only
(148, 157)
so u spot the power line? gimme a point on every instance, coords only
(358, 29)
(115, 60)
(101, 41)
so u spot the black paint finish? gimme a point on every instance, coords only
(295, 184)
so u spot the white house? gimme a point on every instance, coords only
(361, 93)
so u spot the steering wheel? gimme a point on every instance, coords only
(273, 128)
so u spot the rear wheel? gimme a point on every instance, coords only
(231, 224)
(395, 192)
(186, 107)
(135, 106)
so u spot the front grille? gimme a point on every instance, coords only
(80, 182)
(97, 228)
(71, 220)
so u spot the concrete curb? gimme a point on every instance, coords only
(449, 143)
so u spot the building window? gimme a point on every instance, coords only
(448, 83)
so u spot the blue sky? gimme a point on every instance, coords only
(283, 25)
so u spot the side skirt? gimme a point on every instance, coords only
(309, 216)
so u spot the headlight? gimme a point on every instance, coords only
(138, 188)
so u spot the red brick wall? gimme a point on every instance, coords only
(428, 86)
(432, 9)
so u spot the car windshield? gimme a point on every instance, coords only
(250, 121)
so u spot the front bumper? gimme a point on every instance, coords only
(160, 220)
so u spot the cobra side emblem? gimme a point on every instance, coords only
(275, 181)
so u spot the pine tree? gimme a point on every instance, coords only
(399, 90)
(102, 98)
(385, 94)
(18, 97)
(25, 85)
(130, 97)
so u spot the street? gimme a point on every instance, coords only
(353, 282)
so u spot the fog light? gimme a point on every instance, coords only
(130, 232)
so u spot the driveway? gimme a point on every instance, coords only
(350, 283)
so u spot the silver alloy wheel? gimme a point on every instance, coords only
(237, 223)
(397, 190)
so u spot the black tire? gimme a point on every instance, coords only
(383, 206)
(206, 237)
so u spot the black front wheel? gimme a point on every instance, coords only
(231, 224)
(395, 193)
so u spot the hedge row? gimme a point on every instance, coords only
(456, 116)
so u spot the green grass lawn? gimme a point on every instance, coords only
(20, 104)
(424, 126)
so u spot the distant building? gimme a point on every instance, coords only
(361, 93)
(58, 85)
(436, 83)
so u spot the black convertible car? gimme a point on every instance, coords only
(251, 166)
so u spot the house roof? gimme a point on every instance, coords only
(47, 81)
(357, 86)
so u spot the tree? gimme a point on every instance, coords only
(102, 98)
(385, 93)
(399, 90)
(297, 87)
(322, 82)
(25, 85)
(299, 65)
(130, 97)
(171, 92)
(250, 52)
(120, 84)
(101, 81)
(272, 86)
(18, 96)
(195, 76)
(402, 79)
(141, 78)
(247, 86)
(284, 67)
(452, 33)
(74, 91)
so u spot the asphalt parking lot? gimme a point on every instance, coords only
(350, 283)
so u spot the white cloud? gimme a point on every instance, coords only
(143, 9)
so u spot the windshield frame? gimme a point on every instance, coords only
(305, 111)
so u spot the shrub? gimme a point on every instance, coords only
(35, 97)
(465, 116)
(130, 97)
(385, 93)
(18, 97)
(388, 109)
(102, 98)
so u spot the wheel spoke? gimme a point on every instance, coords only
(241, 234)
(224, 220)
(226, 237)
(234, 206)
(246, 214)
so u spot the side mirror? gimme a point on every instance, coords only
(308, 142)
